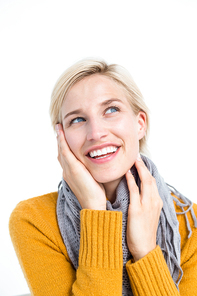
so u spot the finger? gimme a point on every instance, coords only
(59, 130)
(149, 192)
(145, 177)
(133, 189)
(143, 172)
(63, 148)
(61, 138)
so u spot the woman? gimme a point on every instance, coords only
(114, 227)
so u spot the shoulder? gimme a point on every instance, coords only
(188, 242)
(34, 208)
(182, 218)
(35, 218)
(48, 200)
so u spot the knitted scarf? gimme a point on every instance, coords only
(168, 237)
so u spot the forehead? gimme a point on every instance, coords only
(95, 84)
(93, 88)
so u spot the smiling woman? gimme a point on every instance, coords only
(114, 227)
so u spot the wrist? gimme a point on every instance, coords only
(96, 207)
(141, 254)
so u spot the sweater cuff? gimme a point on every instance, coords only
(101, 239)
(150, 275)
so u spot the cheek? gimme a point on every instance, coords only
(127, 129)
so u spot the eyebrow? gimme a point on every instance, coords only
(104, 103)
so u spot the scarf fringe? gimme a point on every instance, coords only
(186, 203)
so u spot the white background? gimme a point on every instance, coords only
(155, 40)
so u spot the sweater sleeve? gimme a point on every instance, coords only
(44, 259)
(150, 275)
(100, 254)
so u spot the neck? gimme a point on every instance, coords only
(110, 189)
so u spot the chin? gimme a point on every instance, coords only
(107, 179)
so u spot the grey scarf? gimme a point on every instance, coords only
(168, 237)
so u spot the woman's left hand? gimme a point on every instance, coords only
(143, 213)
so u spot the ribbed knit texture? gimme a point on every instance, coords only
(104, 244)
(147, 275)
(49, 271)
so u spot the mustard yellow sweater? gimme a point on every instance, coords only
(48, 270)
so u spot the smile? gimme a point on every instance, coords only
(102, 153)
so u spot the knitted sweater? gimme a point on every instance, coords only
(48, 270)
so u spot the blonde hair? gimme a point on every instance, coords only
(89, 67)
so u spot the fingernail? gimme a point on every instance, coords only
(139, 157)
(129, 171)
(57, 128)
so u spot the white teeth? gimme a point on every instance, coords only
(103, 151)
(108, 149)
(93, 153)
(99, 152)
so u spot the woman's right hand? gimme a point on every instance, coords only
(143, 212)
(90, 194)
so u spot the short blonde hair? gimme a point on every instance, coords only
(87, 67)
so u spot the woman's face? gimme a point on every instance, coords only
(101, 129)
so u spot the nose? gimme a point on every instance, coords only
(96, 130)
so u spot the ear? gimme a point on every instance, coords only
(141, 119)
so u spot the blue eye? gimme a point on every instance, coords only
(112, 110)
(76, 120)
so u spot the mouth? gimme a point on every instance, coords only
(103, 153)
